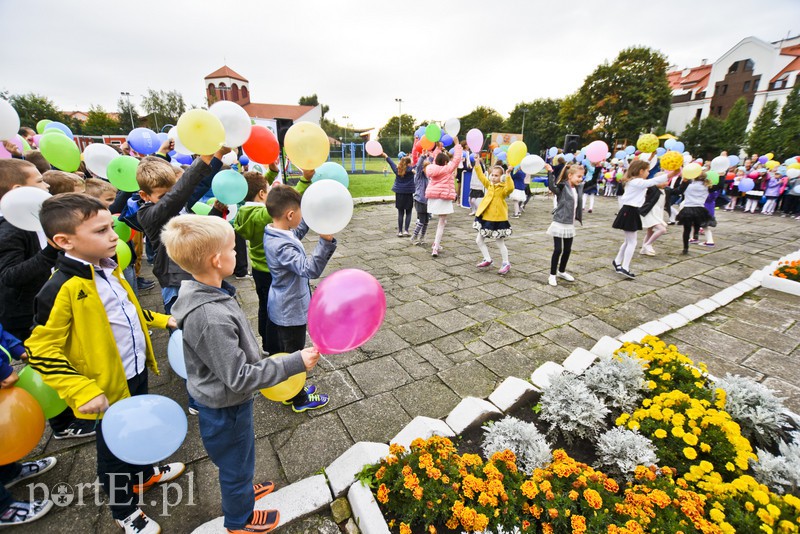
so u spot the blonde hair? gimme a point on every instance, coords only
(154, 172)
(570, 168)
(636, 167)
(191, 239)
(97, 188)
(61, 182)
(12, 172)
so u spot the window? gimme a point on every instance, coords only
(749, 65)
(698, 114)
(719, 110)
(749, 108)
(212, 92)
(734, 67)
(746, 86)
(244, 91)
(235, 92)
(223, 91)
(780, 84)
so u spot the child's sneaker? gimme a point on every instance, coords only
(435, 251)
(694, 241)
(138, 523)
(33, 469)
(80, 428)
(552, 280)
(308, 390)
(709, 245)
(193, 411)
(484, 263)
(163, 473)
(264, 489)
(566, 276)
(314, 402)
(21, 512)
(504, 269)
(260, 521)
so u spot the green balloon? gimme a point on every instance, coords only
(712, 177)
(51, 131)
(201, 209)
(61, 152)
(41, 125)
(25, 146)
(121, 229)
(433, 132)
(122, 173)
(48, 399)
(211, 201)
(123, 254)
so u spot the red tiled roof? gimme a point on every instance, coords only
(791, 67)
(226, 72)
(696, 79)
(674, 79)
(791, 50)
(276, 111)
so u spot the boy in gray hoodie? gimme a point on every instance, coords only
(224, 363)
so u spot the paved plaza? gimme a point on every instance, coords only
(453, 331)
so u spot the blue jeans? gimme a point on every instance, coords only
(130, 276)
(229, 439)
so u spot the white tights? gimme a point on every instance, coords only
(653, 233)
(501, 244)
(769, 206)
(625, 254)
(440, 231)
(590, 199)
(752, 204)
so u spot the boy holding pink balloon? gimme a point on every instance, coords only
(224, 363)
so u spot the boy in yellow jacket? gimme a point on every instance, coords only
(90, 341)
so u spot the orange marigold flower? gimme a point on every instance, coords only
(417, 493)
(573, 495)
(547, 528)
(553, 513)
(380, 472)
(526, 525)
(611, 485)
(405, 529)
(578, 523)
(593, 498)
(396, 449)
(529, 489)
(383, 494)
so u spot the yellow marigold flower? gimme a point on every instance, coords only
(622, 419)
(405, 529)
(678, 419)
(578, 523)
(764, 516)
(766, 528)
(593, 498)
(705, 447)
(749, 506)
(651, 385)
(633, 425)
(417, 493)
(431, 529)
(666, 376)
(690, 453)
(706, 466)
(660, 433)
(480, 523)
(792, 501)
(677, 431)
(786, 526)
(529, 489)
(716, 515)
(452, 523)
(774, 511)
(573, 495)
(761, 497)
(396, 449)
(730, 467)
(690, 439)
(547, 528)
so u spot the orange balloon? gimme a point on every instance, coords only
(426, 143)
(21, 424)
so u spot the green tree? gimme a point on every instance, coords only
(32, 108)
(486, 119)
(100, 123)
(542, 128)
(162, 107)
(765, 135)
(734, 129)
(127, 114)
(313, 100)
(691, 137)
(790, 125)
(574, 117)
(704, 138)
(387, 135)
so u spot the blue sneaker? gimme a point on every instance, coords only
(308, 391)
(314, 401)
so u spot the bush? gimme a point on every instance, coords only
(620, 451)
(754, 406)
(571, 409)
(619, 382)
(521, 438)
(781, 473)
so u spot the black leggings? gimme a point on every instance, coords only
(557, 252)
(687, 231)
(401, 223)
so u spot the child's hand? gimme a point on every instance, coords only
(310, 357)
(326, 237)
(274, 166)
(12, 149)
(99, 404)
(166, 147)
(221, 152)
(383, 155)
(12, 379)
(548, 167)
(172, 323)
(308, 175)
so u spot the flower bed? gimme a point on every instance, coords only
(668, 457)
(785, 278)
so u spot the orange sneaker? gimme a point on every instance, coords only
(262, 490)
(260, 521)
(164, 473)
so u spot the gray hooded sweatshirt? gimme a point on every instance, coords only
(224, 361)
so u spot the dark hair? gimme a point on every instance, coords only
(256, 182)
(12, 172)
(62, 214)
(442, 159)
(25, 131)
(36, 157)
(282, 198)
(636, 167)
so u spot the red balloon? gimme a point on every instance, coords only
(262, 146)
(21, 424)
(346, 310)
(730, 176)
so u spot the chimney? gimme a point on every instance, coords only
(703, 62)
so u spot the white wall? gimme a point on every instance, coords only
(314, 115)
(682, 114)
(763, 55)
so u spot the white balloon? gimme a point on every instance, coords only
(687, 159)
(175, 353)
(720, 164)
(9, 120)
(452, 127)
(229, 158)
(21, 207)
(235, 120)
(97, 156)
(793, 173)
(327, 207)
(179, 148)
(532, 164)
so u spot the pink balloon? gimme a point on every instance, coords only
(596, 151)
(346, 310)
(16, 140)
(374, 148)
(4, 154)
(36, 139)
(475, 140)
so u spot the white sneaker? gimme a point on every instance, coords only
(566, 276)
(21, 512)
(138, 523)
(552, 280)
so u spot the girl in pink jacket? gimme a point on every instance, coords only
(441, 190)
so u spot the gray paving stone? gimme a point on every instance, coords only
(470, 379)
(451, 321)
(374, 419)
(499, 335)
(774, 364)
(789, 392)
(418, 332)
(414, 364)
(508, 361)
(311, 446)
(429, 397)
(384, 342)
(379, 375)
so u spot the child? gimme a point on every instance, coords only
(652, 213)
(101, 190)
(628, 219)
(568, 191)
(772, 193)
(291, 269)
(87, 303)
(476, 191)
(420, 200)
(63, 182)
(403, 188)
(213, 324)
(491, 217)
(694, 213)
(517, 196)
(441, 191)
(590, 186)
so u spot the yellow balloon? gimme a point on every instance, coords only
(771, 164)
(692, 171)
(647, 143)
(200, 131)
(287, 389)
(769, 155)
(516, 153)
(671, 161)
(794, 166)
(307, 145)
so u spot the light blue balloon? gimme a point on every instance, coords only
(678, 147)
(60, 126)
(669, 144)
(660, 151)
(552, 152)
(569, 157)
(782, 169)
(144, 429)
(229, 187)
(162, 137)
(630, 149)
(502, 156)
(733, 160)
(581, 156)
(497, 151)
(620, 154)
(175, 353)
(330, 170)
(608, 155)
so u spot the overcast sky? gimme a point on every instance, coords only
(442, 58)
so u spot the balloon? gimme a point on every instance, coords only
(746, 184)
(793, 173)
(660, 151)
(532, 164)
(123, 254)
(61, 127)
(502, 156)
(669, 144)
(21, 424)
(184, 159)
(144, 141)
(720, 164)
(712, 177)
(244, 160)
(262, 145)
(36, 139)
(61, 152)
(475, 140)
(678, 147)
(580, 157)
(733, 161)
(179, 147)
(235, 121)
(175, 354)
(21, 207)
(692, 171)
(229, 187)
(447, 140)
(307, 145)
(452, 127)
(552, 152)
(41, 125)
(596, 151)
(619, 175)
(794, 166)
(620, 154)
(230, 159)
(346, 310)
(122, 230)
(763, 159)
(201, 209)
(200, 131)
(433, 132)
(130, 427)
(671, 161)
(771, 164)
(497, 151)
(769, 155)
(630, 149)
(48, 399)
(122, 173)
(426, 143)
(97, 156)
(9, 120)
(516, 152)
(420, 132)
(373, 148)
(331, 170)
(569, 157)
(283, 391)
(647, 143)
(327, 207)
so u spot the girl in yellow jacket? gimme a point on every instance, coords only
(491, 219)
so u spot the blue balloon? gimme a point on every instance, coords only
(60, 126)
(144, 429)
(472, 158)
(172, 154)
(746, 184)
(669, 144)
(552, 152)
(446, 140)
(229, 187)
(420, 132)
(502, 156)
(184, 159)
(497, 151)
(620, 154)
(330, 170)
(401, 154)
(452, 151)
(678, 147)
(660, 151)
(162, 137)
(569, 157)
(782, 169)
(630, 149)
(581, 156)
(175, 353)
(244, 160)
(733, 160)
(144, 141)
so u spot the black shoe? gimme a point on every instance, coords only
(144, 284)
(628, 274)
(80, 428)
(685, 252)
(616, 267)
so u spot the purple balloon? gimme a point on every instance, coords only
(446, 140)
(746, 184)
(184, 159)
(475, 140)
(60, 126)
(144, 141)
(162, 137)
(763, 159)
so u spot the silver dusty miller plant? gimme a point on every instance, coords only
(755, 407)
(571, 409)
(620, 450)
(521, 438)
(618, 381)
(780, 473)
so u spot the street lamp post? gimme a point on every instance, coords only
(130, 109)
(524, 111)
(399, 121)
(345, 117)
